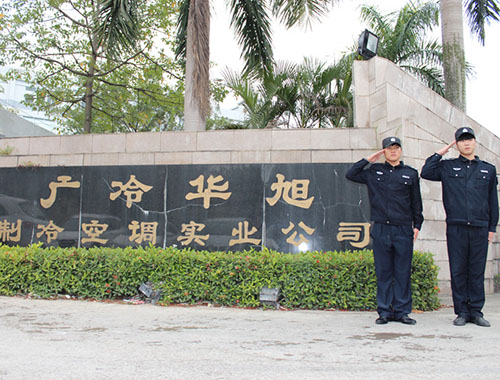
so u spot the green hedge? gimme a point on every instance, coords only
(311, 280)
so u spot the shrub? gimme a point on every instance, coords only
(311, 280)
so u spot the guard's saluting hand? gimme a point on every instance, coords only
(375, 156)
(446, 149)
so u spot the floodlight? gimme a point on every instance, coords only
(367, 44)
(270, 297)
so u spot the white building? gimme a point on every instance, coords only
(12, 94)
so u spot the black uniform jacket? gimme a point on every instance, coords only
(469, 189)
(394, 192)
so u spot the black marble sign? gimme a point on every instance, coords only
(286, 207)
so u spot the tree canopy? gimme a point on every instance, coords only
(250, 21)
(124, 47)
(403, 40)
(318, 95)
(311, 94)
(479, 13)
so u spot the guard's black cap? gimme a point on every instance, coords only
(388, 141)
(464, 133)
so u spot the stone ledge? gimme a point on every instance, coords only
(251, 157)
(215, 141)
(112, 143)
(331, 139)
(100, 159)
(291, 139)
(66, 160)
(75, 144)
(211, 157)
(178, 141)
(291, 156)
(334, 156)
(143, 142)
(20, 145)
(173, 158)
(44, 145)
(8, 161)
(38, 160)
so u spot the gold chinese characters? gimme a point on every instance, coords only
(10, 231)
(133, 190)
(211, 191)
(358, 234)
(297, 227)
(63, 181)
(299, 191)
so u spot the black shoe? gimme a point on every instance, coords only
(460, 321)
(381, 320)
(480, 321)
(407, 320)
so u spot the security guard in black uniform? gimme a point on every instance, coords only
(471, 203)
(396, 209)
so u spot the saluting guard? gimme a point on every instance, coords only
(470, 201)
(396, 209)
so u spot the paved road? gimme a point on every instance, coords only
(66, 339)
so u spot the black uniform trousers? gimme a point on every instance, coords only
(467, 252)
(393, 253)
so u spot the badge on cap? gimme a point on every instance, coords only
(465, 130)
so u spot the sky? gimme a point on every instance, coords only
(335, 32)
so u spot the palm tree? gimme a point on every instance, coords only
(309, 95)
(479, 12)
(264, 100)
(402, 40)
(315, 95)
(115, 28)
(324, 97)
(251, 22)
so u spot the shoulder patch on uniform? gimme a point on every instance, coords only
(487, 163)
